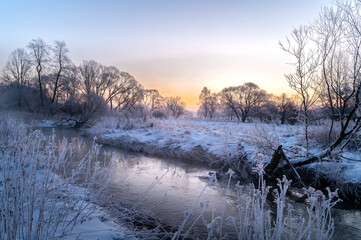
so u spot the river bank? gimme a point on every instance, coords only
(237, 145)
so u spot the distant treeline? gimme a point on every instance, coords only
(41, 78)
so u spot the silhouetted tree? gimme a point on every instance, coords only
(61, 63)
(208, 103)
(39, 53)
(17, 70)
(152, 99)
(175, 106)
(242, 100)
(90, 77)
(83, 108)
(285, 107)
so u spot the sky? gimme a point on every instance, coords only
(177, 47)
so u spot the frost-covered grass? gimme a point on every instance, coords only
(44, 194)
(221, 138)
(239, 145)
(256, 221)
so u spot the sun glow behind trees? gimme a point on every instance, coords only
(175, 47)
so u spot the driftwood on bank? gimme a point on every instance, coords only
(77, 123)
(279, 158)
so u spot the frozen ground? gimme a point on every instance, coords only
(212, 141)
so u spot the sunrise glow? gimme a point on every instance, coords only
(176, 47)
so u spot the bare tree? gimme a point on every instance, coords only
(90, 77)
(112, 84)
(338, 46)
(208, 103)
(69, 85)
(285, 106)
(244, 99)
(204, 108)
(130, 93)
(17, 70)
(252, 97)
(39, 53)
(121, 89)
(152, 100)
(230, 98)
(303, 79)
(61, 63)
(175, 106)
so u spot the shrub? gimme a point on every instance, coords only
(84, 108)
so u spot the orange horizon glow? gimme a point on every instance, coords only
(176, 47)
(191, 98)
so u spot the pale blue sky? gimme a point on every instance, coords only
(175, 46)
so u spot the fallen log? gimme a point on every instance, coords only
(275, 161)
(278, 158)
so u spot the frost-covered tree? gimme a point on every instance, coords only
(39, 52)
(303, 80)
(208, 103)
(285, 107)
(90, 77)
(329, 51)
(243, 99)
(175, 106)
(152, 100)
(60, 63)
(130, 92)
(17, 70)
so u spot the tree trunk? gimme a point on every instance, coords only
(41, 89)
(56, 85)
(283, 117)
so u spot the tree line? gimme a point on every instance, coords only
(246, 102)
(41, 78)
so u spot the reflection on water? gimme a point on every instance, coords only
(181, 186)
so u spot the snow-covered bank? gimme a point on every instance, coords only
(241, 145)
(181, 139)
